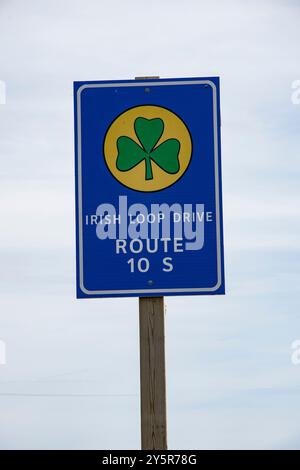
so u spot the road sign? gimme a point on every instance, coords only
(148, 188)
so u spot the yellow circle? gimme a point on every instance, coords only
(134, 178)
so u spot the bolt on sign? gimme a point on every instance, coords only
(148, 187)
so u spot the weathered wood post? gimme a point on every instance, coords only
(152, 373)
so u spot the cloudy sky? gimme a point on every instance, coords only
(71, 378)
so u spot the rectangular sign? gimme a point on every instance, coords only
(148, 188)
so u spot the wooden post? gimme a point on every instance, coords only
(152, 368)
(152, 373)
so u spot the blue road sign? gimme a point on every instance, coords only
(148, 188)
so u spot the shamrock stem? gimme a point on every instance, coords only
(149, 174)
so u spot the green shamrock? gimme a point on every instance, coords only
(148, 132)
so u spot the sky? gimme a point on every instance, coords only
(71, 377)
